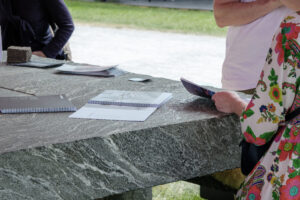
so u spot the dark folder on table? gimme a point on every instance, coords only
(197, 89)
(40, 64)
(36, 104)
(90, 70)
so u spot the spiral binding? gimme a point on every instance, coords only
(123, 104)
(37, 110)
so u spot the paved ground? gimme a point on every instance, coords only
(183, 4)
(169, 55)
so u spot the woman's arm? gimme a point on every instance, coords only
(59, 14)
(235, 13)
(229, 102)
(292, 4)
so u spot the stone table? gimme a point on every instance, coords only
(50, 156)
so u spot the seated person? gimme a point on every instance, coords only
(27, 23)
(276, 175)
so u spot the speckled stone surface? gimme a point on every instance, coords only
(51, 156)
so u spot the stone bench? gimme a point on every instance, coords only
(50, 156)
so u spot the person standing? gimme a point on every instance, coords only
(276, 175)
(252, 24)
(28, 23)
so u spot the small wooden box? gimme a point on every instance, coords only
(18, 54)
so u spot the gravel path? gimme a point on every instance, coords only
(160, 54)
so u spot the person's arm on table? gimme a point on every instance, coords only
(60, 15)
(235, 13)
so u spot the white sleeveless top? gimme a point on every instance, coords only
(246, 50)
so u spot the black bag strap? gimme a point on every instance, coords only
(292, 114)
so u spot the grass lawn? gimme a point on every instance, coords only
(162, 19)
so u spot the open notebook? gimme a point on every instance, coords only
(131, 98)
(36, 104)
(122, 105)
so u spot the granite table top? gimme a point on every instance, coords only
(51, 156)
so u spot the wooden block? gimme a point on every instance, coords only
(18, 54)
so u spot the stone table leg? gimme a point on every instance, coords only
(212, 189)
(142, 194)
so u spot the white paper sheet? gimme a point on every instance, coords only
(111, 112)
(83, 68)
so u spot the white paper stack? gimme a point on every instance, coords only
(90, 70)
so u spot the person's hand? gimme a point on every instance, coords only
(39, 53)
(229, 102)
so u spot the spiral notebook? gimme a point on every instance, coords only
(122, 105)
(131, 98)
(36, 104)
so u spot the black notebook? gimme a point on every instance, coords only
(36, 104)
(197, 89)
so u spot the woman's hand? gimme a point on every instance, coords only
(229, 102)
(39, 53)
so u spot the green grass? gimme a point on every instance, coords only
(162, 19)
(177, 191)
